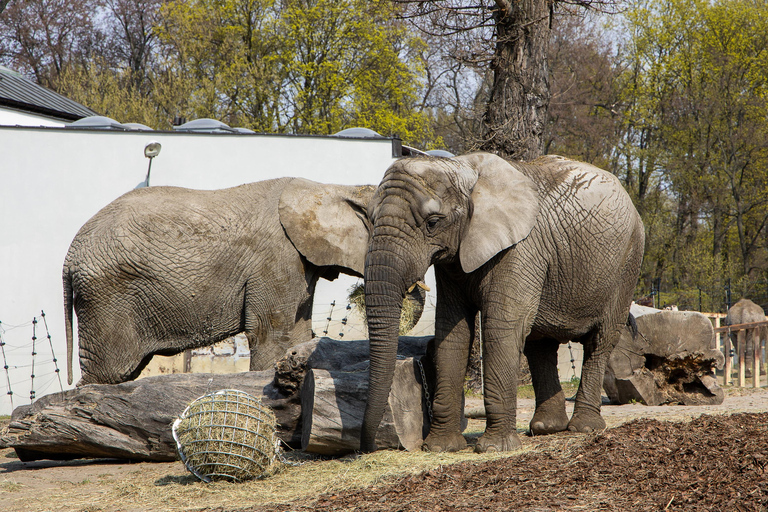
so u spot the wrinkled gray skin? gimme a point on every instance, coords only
(547, 252)
(744, 312)
(164, 269)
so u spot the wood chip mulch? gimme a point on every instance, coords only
(712, 463)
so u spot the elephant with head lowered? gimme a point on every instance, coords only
(164, 269)
(546, 252)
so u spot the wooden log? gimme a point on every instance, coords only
(671, 360)
(329, 354)
(131, 420)
(333, 405)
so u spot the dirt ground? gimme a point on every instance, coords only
(650, 458)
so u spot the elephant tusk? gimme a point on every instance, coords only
(420, 284)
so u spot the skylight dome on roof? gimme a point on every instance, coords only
(440, 152)
(205, 125)
(358, 133)
(97, 123)
(138, 126)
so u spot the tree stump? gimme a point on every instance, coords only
(671, 360)
(333, 405)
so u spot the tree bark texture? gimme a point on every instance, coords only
(516, 113)
(333, 405)
(671, 360)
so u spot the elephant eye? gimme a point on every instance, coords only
(433, 221)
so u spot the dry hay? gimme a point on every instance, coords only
(227, 435)
(413, 304)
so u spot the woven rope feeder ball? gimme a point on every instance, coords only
(227, 435)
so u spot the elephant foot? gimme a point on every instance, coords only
(444, 443)
(489, 443)
(586, 422)
(550, 417)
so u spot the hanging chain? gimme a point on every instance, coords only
(426, 389)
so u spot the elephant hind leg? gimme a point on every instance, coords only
(550, 415)
(597, 348)
(113, 358)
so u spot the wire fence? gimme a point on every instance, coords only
(35, 368)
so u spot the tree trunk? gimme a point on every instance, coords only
(333, 404)
(670, 360)
(516, 113)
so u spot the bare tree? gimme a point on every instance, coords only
(506, 43)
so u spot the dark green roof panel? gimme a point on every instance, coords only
(22, 94)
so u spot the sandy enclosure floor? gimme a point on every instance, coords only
(109, 485)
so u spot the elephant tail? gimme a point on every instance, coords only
(632, 324)
(68, 320)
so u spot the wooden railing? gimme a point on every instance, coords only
(758, 331)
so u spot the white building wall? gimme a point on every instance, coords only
(53, 180)
(10, 117)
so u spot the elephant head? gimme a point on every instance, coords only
(458, 212)
(328, 224)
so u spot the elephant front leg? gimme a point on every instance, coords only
(451, 358)
(502, 346)
(550, 415)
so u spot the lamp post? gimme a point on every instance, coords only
(151, 150)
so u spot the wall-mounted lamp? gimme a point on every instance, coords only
(151, 150)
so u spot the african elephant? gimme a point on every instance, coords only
(744, 312)
(547, 252)
(163, 269)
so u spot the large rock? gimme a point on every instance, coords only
(671, 360)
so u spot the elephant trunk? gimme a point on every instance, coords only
(385, 289)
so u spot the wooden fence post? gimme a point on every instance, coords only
(728, 360)
(741, 342)
(757, 337)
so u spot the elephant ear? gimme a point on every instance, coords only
(327, 224)
(506, 205)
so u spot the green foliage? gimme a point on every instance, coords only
(301, 66)
(688, 126)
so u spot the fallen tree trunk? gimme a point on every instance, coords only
(131, 420)
(671, 360)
